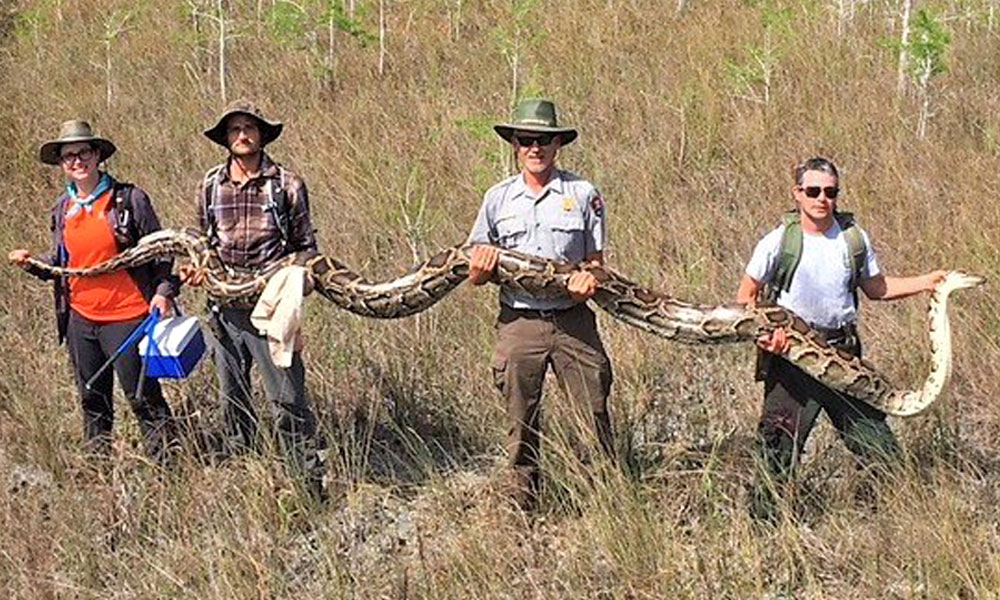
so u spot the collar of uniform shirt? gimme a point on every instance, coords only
(554, 185)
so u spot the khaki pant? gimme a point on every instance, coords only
(527, 344)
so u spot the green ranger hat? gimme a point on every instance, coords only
(269, 130)
(536, 116)
(70, 133)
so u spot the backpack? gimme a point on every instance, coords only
(791, 254)
(277, 203)
(124, 228)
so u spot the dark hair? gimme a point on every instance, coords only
(816, 163)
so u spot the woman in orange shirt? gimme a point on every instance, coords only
(95, 218)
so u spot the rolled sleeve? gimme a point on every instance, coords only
(482, 231)
(201, 219)
(871, 268)
(39, 273)
(147, 222)
(764, 261)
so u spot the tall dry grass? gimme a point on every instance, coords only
(396, 163)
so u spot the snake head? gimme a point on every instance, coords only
(956, 280)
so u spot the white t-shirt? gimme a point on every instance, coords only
(819, 292)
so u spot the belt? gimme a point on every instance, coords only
(233, 303)
(836, 335)
(530, 313)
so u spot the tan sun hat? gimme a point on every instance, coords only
(269, 130)
(72, 132)
(535, 115)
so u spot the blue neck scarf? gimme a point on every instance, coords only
(87, 202)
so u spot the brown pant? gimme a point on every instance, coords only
(530, 341)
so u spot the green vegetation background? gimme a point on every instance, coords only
(691, 114)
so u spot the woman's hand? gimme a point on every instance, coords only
(165, 306)
(19, 257)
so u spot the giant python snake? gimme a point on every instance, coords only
(430, 281)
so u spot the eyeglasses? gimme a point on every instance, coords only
(814, 191)
(528, 140)
(84, 155)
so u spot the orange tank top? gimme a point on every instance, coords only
(89, 240)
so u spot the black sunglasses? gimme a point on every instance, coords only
(814, 191)
(527, 140)
(84, 155)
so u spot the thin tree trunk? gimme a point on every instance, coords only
(222, 51)
(381, 36)
(107, 69)
(331, 40)
(515, 64)
(904, 38)
(457, 21)
(925, 104)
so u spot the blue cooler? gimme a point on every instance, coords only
(178, 345)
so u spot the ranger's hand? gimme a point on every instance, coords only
(19, 257)
(582, 285)
(776, 343)
(482, 262)
(191, 275)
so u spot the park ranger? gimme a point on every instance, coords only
(554, 214)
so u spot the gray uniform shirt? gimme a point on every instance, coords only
(566, 222)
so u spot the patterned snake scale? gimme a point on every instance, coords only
(430, 281)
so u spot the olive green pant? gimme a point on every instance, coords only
(239, 346)
(792, 401)
(528, 343)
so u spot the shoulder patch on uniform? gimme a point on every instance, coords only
(597, 204)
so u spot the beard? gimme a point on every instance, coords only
(244, 150)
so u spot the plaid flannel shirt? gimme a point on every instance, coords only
(248, 235)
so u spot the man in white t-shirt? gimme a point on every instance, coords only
(821, 291)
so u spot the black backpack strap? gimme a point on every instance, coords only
(209, 192)
(277, 205)
(126, 233)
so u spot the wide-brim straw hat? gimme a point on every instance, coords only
(72, 132)
(535, 115)
(269, 130)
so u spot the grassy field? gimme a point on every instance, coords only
(691, 114)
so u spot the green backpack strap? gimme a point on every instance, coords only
(791, 254)
(857, 250)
